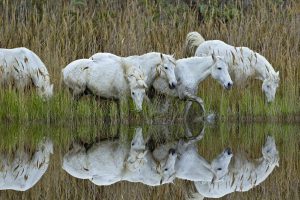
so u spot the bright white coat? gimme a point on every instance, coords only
(152, 64)
(107, 78)
(24, 171)
(108, 162)
(190, 165)
(243, 62)
(243, 174)
(22, 68)
(190, 72)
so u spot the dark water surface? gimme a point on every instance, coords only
(258, 161)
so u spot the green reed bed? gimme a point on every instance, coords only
(60, 32)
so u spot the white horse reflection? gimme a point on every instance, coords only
(23, 171)
(243, 174)
(190, 165)
(108, 162)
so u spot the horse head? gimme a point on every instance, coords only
(219, 71)
(166, 69)
(137, 84)
(46, 91)
(220, 165)
(270, 85)
(270, 152)
(167, 170)
(138, 152)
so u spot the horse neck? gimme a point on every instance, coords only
(201, 67)
(263, 169)
(262, 67)
(151, 61)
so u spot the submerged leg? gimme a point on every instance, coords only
(195, 98)
(186, 109)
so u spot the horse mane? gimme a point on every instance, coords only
(126, 67)
(130, 70)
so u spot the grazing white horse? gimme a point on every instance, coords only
(25, 170)
(243, 174)
(190, 72)
(190, 165)
(108, 162)
(243, 62)
(153, 65)
(22, 68)
(106, 78)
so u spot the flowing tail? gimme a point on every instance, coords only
(193, 40)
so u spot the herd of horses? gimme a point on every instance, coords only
(113, 77)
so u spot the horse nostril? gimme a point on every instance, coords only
(172, 151)
(229, 84)
(228, 150)
(172, 86)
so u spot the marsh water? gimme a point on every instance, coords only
(76, 161)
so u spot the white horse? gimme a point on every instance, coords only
(108, 162)
(190, 165)
(243, 62)
(243, 174)
(153, 65)
(190, 72)
(24, 171)
(22, 68)
(106, 78)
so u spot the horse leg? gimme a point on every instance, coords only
(186, 109)
(195, 98)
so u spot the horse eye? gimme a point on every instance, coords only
(132, 144)
(219, 68)
(219, 169)
(132, 93)
(268, 86)
(166, 67)
(166, 169)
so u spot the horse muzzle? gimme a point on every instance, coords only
(172, 86)
(228, 86)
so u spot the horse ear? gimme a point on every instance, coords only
(173, 55)
(277, 73)
(213, 55)
(162, 56)
(145, 85)
(158, 69)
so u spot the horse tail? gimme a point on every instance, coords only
(192, 41)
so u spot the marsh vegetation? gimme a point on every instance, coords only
(60, 32)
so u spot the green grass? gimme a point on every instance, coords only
(60, 32)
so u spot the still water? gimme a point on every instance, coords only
(75, 161)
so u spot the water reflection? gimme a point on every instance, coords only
(107, 162)
(243, 174)
(197, 161)
(22, 170)
(146, 161)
